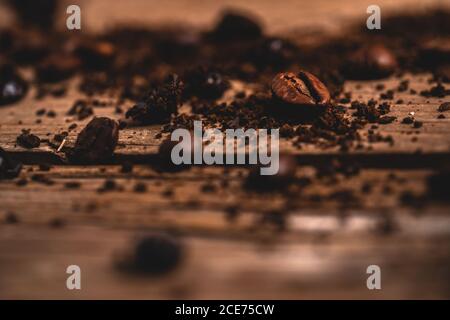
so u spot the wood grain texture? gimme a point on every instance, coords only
(327, 244)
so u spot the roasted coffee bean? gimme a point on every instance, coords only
(28, 140)
(81, 110)
(9, 169)
(444, 107)
(371, 62)
(164, 160)
(235, 26)
(96, 142)
(280, 181)
(12, 87)
(155, 254)
(302, 89)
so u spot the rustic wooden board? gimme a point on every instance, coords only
(432, 138)
(324, 251)
(33, 261)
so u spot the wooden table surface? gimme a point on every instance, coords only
(324, 250)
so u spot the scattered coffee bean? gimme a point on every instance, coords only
(28, 140)
(371, 62)
(408, 120)
(155, 255)
(159, 104)
(165, 163)
(386, 119)
(109, 185)
(444, 107)
(235, 26)
(96, 142)
(9, 169)
(12, 87)
(278, 182)
(301, 89)
(80, 109)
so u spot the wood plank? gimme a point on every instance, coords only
(191, 209)
(137, 143)
(33, 261)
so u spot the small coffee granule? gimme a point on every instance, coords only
(28, 140)
(444, 107)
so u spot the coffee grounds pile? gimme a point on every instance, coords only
(160, 69)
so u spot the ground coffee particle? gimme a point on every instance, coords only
(72, 185)
(28, 140)
(96, 142)
(444, 107)
(81, 110)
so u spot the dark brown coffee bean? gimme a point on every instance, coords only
(301, 89)
(371, 62)
(12, 87)
(28, 140)
(444, 107)
(278, 182)
(154, 255)
(81, 109)
(96, 142)
(164, 161)
(235, 26)
(9, 169)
